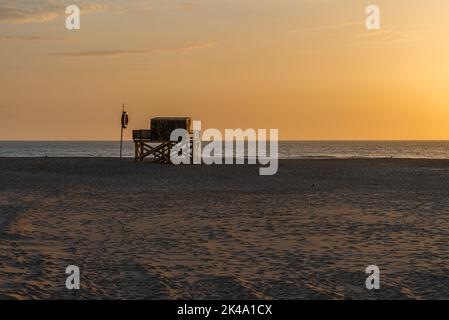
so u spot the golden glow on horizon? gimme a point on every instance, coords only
(309, 68)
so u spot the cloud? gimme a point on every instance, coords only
(30, 38)
(18, 15)
(386, 35)
(23, 11)
(115, 53)
(189, 48)
(101, 53)
(327, 27)
(382, 35)
(145, 10)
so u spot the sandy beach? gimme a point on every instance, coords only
(149, 231)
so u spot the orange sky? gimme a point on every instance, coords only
(306, 67)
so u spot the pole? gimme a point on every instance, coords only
(121, 134)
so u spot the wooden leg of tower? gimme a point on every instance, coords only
(141, 151)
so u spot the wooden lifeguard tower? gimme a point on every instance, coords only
(156, 140)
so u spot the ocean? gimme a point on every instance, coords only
(287, 149)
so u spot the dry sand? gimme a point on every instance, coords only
(156, 231)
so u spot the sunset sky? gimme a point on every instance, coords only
(307, 67)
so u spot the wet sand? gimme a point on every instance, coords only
(149, 231)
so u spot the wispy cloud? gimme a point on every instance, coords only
(115, 53)
(182, 49)
(145, 10)
(192, 5)
(360, 33)
(30, 38)
(101, 53)
(23, 11)
(386, 35)
(327, 27)
(19, 15)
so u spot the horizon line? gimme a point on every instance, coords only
(280, 140)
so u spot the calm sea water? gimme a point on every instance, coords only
(287, 149)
